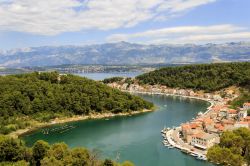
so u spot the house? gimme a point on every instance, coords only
(247, 119)
(217, 97)
(188, 130)
(223, 113)
(242, 114)
(246, 106)
(241, 124)
(231, 113)
(204, 140)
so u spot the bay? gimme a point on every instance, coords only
(135, 138)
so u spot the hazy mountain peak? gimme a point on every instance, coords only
(125, 53)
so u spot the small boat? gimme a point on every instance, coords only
(185, 151)
(170, 147)
(194, 154)
(166, 144)
(106, 119)
(202, 157)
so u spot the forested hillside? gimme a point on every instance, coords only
(208, 77)
(13, 152)
(45, 96)
(233, 148)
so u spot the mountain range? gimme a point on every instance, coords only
(125, 53)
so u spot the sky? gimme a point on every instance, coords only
(32, 23)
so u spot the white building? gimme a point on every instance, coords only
(241, 124)
(246, 106)
(242, 114)
(204, 140)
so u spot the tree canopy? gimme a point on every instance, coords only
(234, 148)
(13, 152)
(45, 96)
(208, 77)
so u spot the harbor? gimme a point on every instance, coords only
(170, 141)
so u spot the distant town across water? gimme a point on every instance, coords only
(92, 71)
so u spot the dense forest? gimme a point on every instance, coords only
(234, 148)
(112, 79)
(208, 77)
(13, 152)
(45, 96)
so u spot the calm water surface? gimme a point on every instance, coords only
(136, 138)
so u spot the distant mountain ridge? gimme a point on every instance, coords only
(125, 53)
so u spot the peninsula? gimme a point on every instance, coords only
(33, 100)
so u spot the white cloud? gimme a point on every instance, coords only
(187, 34)
(50, 17)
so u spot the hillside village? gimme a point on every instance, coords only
(203, 131)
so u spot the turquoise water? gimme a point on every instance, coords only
(136, 138)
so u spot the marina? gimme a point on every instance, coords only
(170, 144)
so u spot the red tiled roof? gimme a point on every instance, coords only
(217, 108)
(227, 121)
(221, 128)
(246, 104)
(207, 120)
(193, 125)
(185, 126)
(247, 118)
(232, 111)
(243, 122)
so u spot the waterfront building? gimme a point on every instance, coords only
(204, 140)
(188, 130)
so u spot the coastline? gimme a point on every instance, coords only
(22, 132)
(182, 96)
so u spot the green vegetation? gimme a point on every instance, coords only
(13, 152)
(112, 79)
(29, 98)
(234, 148)
(208, 77)
(243, 98)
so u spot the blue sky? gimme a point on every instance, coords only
(26, 23)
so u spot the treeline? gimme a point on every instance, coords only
(112, 79)
(45, 96)
(244, 97)
(13, 152)
(208, 77)
(234, 148)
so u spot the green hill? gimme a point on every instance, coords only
(208, 77)
(45, 96)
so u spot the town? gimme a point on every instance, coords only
(202, 132)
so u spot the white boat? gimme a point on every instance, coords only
(202, 157)
(170, 147)
(194, 154)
